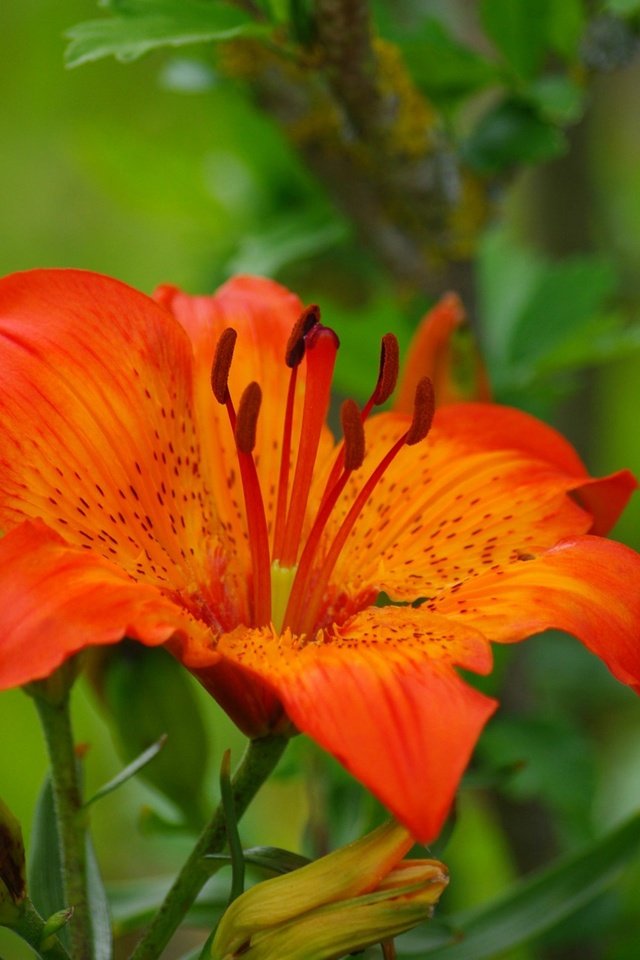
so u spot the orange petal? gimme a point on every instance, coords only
(432, 355)
(382, 695)
(56, 599)
(587, 586)
(447, 510)
(99, 437)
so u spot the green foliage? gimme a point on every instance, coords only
(447, 70)
(148, 695)
(45, 877)
(510, 134)
(142, 25)
(531, 907)
(544, 319)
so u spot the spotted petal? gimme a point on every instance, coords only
(99, 437)
(587, 586)
(56, 599)
(381, 694)
(487, 486)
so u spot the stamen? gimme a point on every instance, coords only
(247, 419)
(389, 367)
(222, 364)
(322, 346)
(296, 342)
(302, 612)
(353, 435)
(424, 407)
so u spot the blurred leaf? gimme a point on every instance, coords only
(623, 8)
(143, 25)
(45, 876)
(274, 860)
(44, 871)
(290, 240)
(531, 907)
(512, 133)
(518, 31)
(148, 694)
(134, 902)
(98, 908)
(557, 99)
(565, 26)
(183, 75)
(566, 295)
(446, 69)
(129, 771)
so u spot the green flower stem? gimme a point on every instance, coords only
(31, 927)
(71, 818)
(259, 760)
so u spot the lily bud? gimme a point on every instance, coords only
(354, 897)
(12, 868)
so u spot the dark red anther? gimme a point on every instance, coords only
(389, 367)
(247, 420)
(296, 342)
(222, 364)
(353, 431)
(424, 407)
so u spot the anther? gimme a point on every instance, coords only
(303, 325)
(389, 367)
(247, 421)
(222, 364)
(353, 435)
(423, 409)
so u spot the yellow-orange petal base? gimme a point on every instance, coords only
(231, 526)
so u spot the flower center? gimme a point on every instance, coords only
(290, 576)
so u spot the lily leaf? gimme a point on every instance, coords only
(274, 860)
(532, 907)
(142, 25)
(129, 771)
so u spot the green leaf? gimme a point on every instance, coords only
(565, 27)
(567, 294)
(147, 694)
(134, 902)
(129, 771)
(44, 871)
(45, 876)
(446, 69)
(531, 907)
(509, 134)
(143, 25)
(519, 30)
(557, 99)
(273, 860)
(623, 8)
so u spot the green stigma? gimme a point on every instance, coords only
(281, 582)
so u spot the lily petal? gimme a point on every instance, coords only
(449, 509)
(587, 586)
(99, 437)
(381, 694)
(56, 599)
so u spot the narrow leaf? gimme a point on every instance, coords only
(532, 907)
(130, 770)
(44, 870)
(274, 860)
(231, 824)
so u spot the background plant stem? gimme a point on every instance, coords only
(258, 762)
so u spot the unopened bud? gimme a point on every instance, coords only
(354, 897)
(12, 868)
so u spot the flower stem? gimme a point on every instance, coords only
(259, 760)
(71, 818)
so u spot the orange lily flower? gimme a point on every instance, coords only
(145, 496)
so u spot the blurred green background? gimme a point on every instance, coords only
(162, 171)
